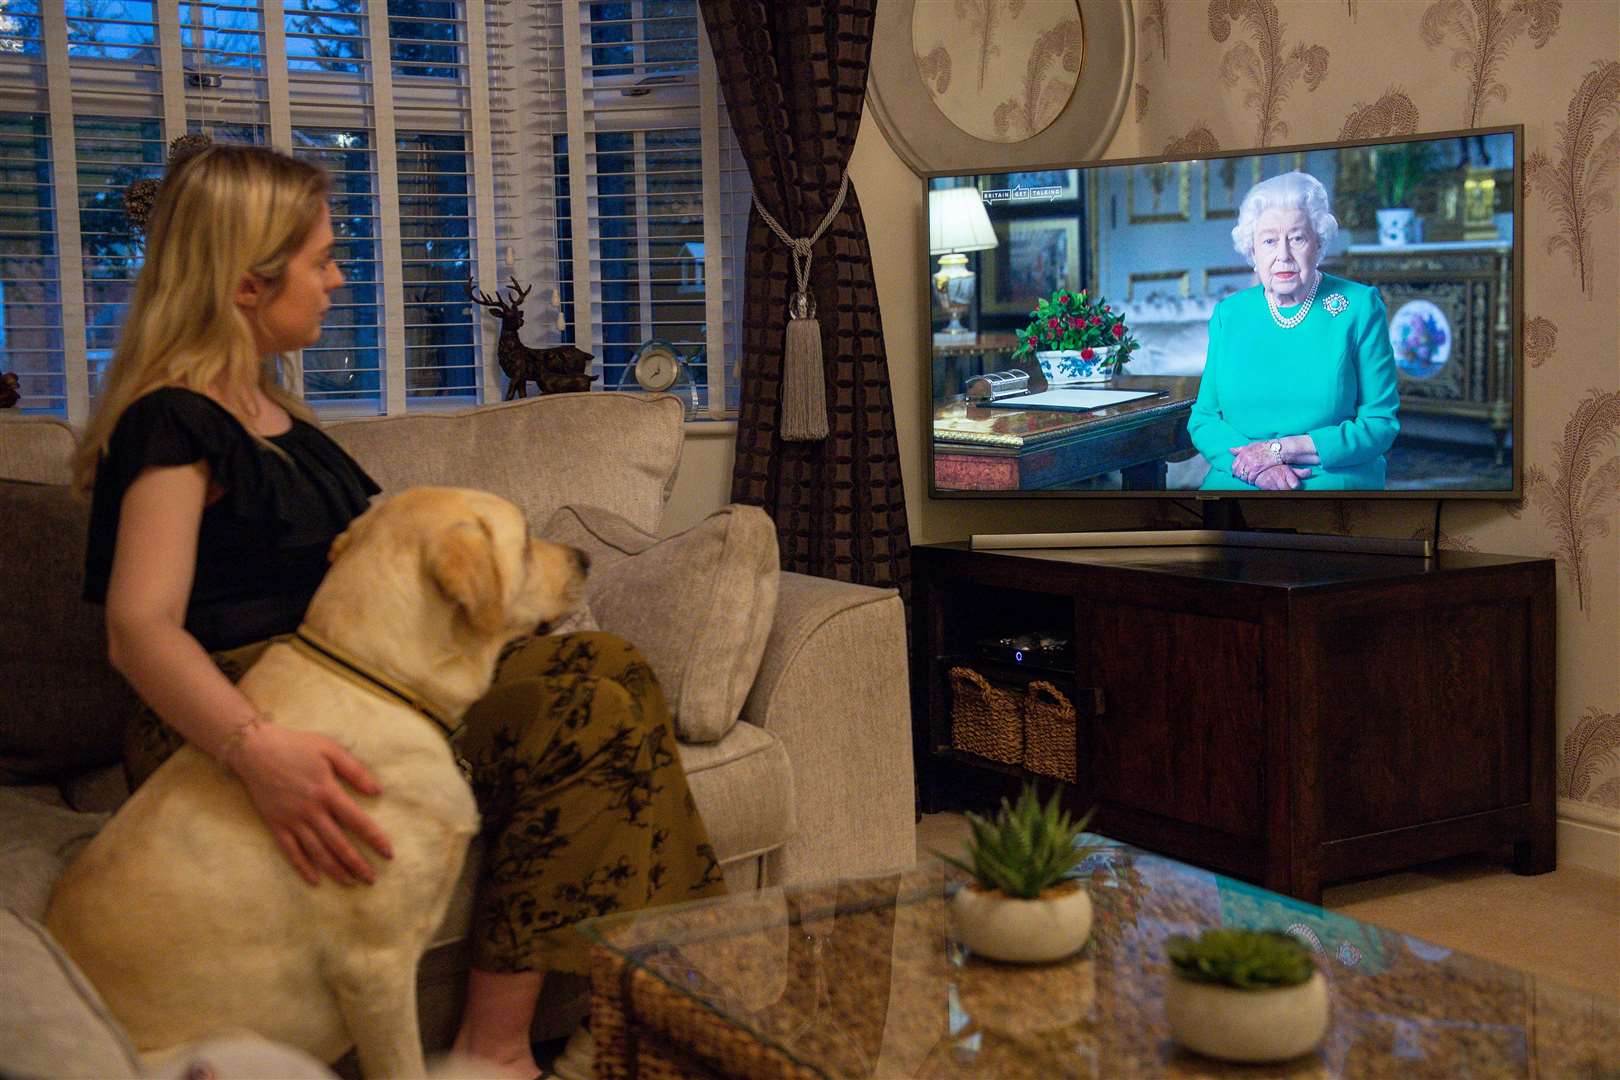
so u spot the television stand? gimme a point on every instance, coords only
(1224, 526)
(1285, 717)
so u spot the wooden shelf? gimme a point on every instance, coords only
(1004, 670)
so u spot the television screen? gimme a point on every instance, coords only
(1332, 319)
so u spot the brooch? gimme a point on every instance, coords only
(1335, 303)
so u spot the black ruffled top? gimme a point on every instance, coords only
(267, 524)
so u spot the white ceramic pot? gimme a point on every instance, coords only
(1395, 226)
(1068, 367)
(1050, 927)
(1248, 1025)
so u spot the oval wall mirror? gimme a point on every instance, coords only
(997, 85)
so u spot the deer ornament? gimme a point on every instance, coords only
(560, 369)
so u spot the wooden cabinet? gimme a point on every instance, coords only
(1290, 718)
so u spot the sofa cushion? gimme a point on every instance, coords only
(37, 449)
(618, 451)
(698, 604)
(53, 1023)
(743, 787)
(63, 706)
(38, 836)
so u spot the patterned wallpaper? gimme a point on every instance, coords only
(1239, 73)
(1313, 70)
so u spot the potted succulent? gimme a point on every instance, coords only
(1076, 338)
(1245, 995)
(1025, 903)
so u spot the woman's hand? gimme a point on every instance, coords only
(1249, 461)
(1281, 477)
(299, 781)
(1299, 450)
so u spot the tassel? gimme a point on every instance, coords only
(804, 380)
(803, 413)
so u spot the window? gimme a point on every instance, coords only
(450, 163)
(30, 275)
(665, 193)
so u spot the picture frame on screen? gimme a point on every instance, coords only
(1333, 320)
(1035, 255)
(1159, 192)
(1226, 180)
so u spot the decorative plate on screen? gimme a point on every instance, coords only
(946, 106)
(1420, 335)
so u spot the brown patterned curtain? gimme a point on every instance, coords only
(794, 78)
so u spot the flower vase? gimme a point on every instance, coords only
(1395, 226)
(1070, 367)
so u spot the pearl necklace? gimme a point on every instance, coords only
(1304, 309)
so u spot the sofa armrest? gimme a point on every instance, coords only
(833, 688)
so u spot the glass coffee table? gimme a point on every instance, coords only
(862, 978)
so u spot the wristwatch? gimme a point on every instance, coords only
(1274, 448)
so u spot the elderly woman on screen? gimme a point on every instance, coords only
(1298, 390)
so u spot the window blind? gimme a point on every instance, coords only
(628, 97)
(447, 128)
(31, 277)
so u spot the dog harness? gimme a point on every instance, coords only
(335, 660)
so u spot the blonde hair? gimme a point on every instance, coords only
(224, 214)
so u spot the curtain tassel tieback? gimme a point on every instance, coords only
(804, 381)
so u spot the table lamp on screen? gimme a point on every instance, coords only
(957, 224)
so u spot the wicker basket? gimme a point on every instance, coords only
(1049, 732)
(986, 720)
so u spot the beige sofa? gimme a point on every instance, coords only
(813, 780)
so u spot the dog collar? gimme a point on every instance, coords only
(335, 660)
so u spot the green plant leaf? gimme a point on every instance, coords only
(1242, 959)
(1027, 847)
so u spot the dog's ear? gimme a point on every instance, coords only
(461, 561)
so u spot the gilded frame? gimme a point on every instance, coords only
(1180, 184)
(1182, 278)
(1214, 211)
(1240, 276)
(992, 267)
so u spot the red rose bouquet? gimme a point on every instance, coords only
(1073, 319)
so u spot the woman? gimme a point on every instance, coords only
(215, 498)
(1299, 383)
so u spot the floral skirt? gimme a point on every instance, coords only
(584, 804)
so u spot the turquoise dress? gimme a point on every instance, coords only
(1332, 377)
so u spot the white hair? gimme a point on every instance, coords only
(1290, 191)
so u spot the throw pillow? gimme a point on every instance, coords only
(699, 604)
(63, 706)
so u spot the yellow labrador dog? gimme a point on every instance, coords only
(184, 913)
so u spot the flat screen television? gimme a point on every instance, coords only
(1401, 366)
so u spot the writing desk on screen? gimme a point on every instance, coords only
(1009, 449)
